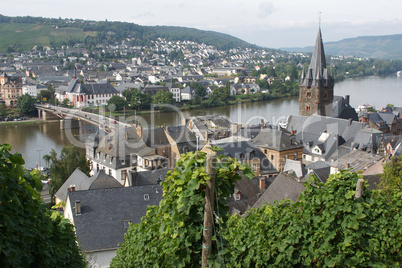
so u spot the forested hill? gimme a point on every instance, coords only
(22, 33)
(377, 47)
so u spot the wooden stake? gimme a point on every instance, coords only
(359, 188)
(209, 209)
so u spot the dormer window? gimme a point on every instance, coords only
(146, 197)
(126, 224)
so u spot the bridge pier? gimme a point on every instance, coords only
(48, 116)
(69, 123)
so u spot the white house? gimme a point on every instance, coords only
(175, 90)
(84, 95)
(32, 90)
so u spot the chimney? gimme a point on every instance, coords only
(262, 184)
(347, 99)
(72, 188)
(77, 207)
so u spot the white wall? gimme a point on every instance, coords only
(100, 259)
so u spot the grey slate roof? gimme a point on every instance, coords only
(283, 187)
(142, 178)
(314, 124)
(245, 150)
(181, 134)
(100, 226)
(276, 140)
(120, 144)
(296, 166)
(250, 192)
(317, 74)
(82, 182)
(340, 108)
(154, 137)
(367, 139)
(320, 169)
(358, 160)
(90, 89)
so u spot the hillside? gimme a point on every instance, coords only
(22, 33)
(377, 47)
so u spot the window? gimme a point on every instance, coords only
(126, 224)
(265, 151)
(308, 108)
(255, 168)
(97, 167)
(295, 156)
(325, 95)
(123, 174)
(110, 172)
(146, 197)
(272, 157)
(308, 94)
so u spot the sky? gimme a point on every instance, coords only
(271, 24)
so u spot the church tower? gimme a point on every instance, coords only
(316, 85)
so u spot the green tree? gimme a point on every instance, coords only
(117, 103)
(163, 97)
(65, 102)
(175, 226)
(45, 96)
(61, 168)
(26, 104)
(391, 179)
(3, 110)
(30, 235)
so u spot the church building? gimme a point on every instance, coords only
(316, 85)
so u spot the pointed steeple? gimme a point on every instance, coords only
(318, 63)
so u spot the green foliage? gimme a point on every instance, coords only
(163, 97)
(391, 179)
(61, 168)
(26, 104)
(47, 95)
(66, 103)
(30, 235)
(137, 99)
(3, 110)
(328, 227)
(116, 103)
(170, 235)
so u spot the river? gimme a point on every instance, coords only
(35, 140)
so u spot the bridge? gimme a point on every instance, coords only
(69, 118)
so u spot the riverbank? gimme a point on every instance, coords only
(33, 120)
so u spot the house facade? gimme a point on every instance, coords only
(10, 89)
(86, 95)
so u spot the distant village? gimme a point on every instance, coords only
(129, 163)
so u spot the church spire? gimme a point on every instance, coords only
(318, 63)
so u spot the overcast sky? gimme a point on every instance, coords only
(272, 24)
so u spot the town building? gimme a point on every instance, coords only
(278, 146)
(101, 218)
(10, 89)
(86, 95)
(316, 84)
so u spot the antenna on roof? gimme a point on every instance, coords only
(319, 19)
